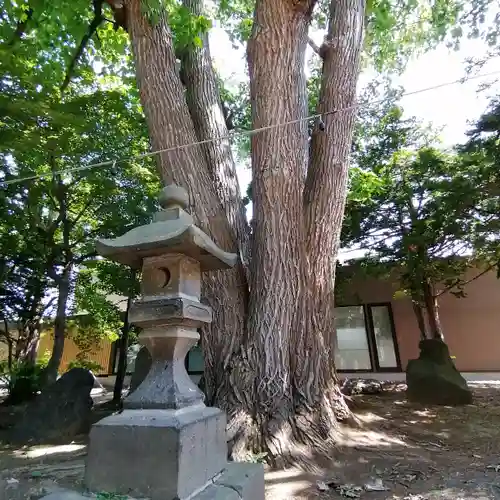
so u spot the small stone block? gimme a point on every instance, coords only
(158, 454)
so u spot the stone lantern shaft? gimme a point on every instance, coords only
(169, 314)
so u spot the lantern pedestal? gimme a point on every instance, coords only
(169, 454)
(162, 454)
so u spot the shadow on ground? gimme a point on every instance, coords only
(415, 452)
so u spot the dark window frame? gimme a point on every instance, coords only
(368, 340)
(372, 341)
(388, 305)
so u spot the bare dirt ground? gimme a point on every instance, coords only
(412, 452)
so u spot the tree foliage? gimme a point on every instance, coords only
(481, 154)
(101, 292)
(49, 142)
(426, 214)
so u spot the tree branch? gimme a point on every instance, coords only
(315, 47)
(47, 306)
(372, 245)
(447, 246)
(94, 24)
(84, 257)
(80, 214)
(457, 282)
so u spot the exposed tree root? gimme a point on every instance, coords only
(297, 436)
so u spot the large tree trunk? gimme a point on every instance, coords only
(203, 100)
(298, 218)
(324, 200)
(250, 365)
(276, 58)
(170, 125)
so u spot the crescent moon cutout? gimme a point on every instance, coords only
(167, 276)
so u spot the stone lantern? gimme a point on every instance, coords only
(167, 444)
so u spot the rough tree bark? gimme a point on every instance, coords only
(264, 363)
(276, 58)
(205, 108)
(431, 305)
(170, 125)
(324, 201)
(297, 219)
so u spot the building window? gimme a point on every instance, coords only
(384, 336)
(351, 350)
(365, 341)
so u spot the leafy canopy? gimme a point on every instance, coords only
(418, 208)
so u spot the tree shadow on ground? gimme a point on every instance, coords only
(417, 452)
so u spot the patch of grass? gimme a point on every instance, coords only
(106, 495)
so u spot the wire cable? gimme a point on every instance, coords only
(243, 133)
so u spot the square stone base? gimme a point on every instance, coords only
(239, 481)
(158, 454)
